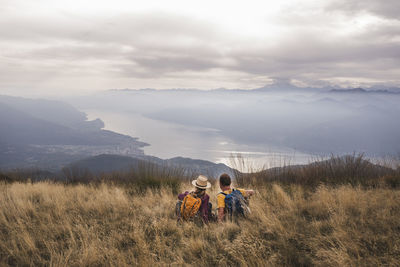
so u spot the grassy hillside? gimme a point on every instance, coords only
(54, 224)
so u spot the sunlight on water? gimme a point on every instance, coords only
(248, 161)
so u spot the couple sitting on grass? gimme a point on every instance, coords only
(231, 203)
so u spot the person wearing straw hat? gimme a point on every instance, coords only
(204, 211)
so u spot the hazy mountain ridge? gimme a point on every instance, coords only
(48, 134)
(49, 110)
(107, 163)
(359, 90)
(281, 87)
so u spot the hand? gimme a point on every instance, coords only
(249, 193)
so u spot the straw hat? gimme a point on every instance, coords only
(201, 182)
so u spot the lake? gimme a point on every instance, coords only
(169, 140)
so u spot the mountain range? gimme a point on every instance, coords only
(280, 87)
(48, 134)
(51, 135)
(107, 163)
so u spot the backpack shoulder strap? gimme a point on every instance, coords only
(222, 193)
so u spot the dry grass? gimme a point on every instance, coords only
(337, 170)
(85, 225)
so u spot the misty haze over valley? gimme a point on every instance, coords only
(273, 122)
(270, 126)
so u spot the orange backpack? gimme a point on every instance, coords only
(190, 206)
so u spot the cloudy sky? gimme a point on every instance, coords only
(73, 47)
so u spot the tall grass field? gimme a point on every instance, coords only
(49, 223)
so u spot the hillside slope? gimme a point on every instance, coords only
(54, 224)
(116, 163)
(49, 134)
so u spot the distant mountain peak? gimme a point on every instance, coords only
(351, 90)
(360, 90)
(279, 84)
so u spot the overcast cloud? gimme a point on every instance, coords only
(69, 47)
